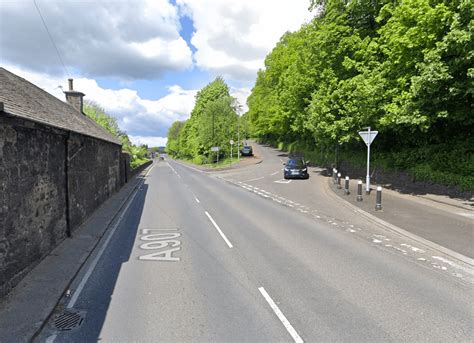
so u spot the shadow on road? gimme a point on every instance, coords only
(101, 285)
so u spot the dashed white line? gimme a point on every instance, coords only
(276, 172)
(174, 171)
(281, 316)
(219, 230)
(197, 200)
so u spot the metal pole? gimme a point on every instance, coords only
(231, 155)
(378, 200)
(339, 181)
(238, 138)
(346, 186)
(367, 180)
(359, 190)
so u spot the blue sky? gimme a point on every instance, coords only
(143, 61)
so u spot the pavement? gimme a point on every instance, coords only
(446, 222)
(243, 255)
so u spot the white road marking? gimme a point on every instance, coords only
(276, 172)
(282, 181)
(197, 200)
(174, 170)
(159, 240)
(468, 215)
(192, 168)
(219, 230)
(51, 338)
(92, 266)
(258, 178)
(281, 316)
(149, 170)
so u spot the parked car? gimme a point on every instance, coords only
(246, 151)
(296, 167)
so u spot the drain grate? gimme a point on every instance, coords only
(68, 320)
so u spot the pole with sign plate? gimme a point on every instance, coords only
(368, 137)
(231, 144)
(216, 150)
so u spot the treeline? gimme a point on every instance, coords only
(213, 123)
(405, 68)
(138, 153)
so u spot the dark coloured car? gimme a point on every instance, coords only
(296, 168)
(246, 151)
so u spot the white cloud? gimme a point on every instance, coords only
(122, 39)
(241, 94)
(150, 141)
(232, 38)
(141, 118)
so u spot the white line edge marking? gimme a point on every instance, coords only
(219, 230)
(149, 170)
(281, 316)
(186, 166)
(91, 268)
(197, 200)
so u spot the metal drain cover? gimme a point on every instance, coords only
(68, 320)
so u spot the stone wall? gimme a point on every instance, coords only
(33, 195)
(94, 175)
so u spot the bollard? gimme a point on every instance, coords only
(346, 186)
(359, 190)
(378, 200)
(339, 181)
(334, 175)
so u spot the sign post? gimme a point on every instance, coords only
(231, 144)
(368, 137)
(216, 149)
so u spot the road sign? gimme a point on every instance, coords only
(368, 136)
(231, 142)
(215, 148)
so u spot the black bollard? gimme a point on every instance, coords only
(359, 190)
(339, 181)
(378, 200)
(346, 186)
(334, 175)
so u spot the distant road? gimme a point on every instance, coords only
(200, 258)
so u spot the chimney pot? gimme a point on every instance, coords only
(70, 84)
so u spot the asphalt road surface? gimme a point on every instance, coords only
(198, 257)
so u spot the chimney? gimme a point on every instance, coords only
(74, 98)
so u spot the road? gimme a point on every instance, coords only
(199, 257)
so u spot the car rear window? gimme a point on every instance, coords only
(295, 163)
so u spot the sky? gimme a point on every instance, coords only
(143, 61)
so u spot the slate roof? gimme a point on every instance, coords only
(23, 99)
